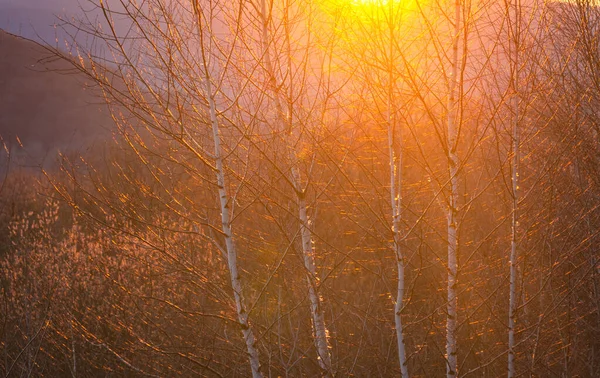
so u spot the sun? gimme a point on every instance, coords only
(360, 20)
(379, 3)
(365, 3)
(381, 11)
(371, 8)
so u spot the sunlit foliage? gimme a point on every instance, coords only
(119, 264)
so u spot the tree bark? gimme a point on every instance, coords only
(452, 212)
(512, 305)
(224, 202)
(229, 242)
(396, 202)
(320, 332)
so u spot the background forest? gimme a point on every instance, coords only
(316, 188)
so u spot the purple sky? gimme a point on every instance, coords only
(36, 19)
(30, 17)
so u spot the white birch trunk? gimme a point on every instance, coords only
(396, 202)
(512, 304)
(320, 332)
(451, 321)
(224, 203)
(396, 214)
(452, 213)
(229, 242)
(317, 313)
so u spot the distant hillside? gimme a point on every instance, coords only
(45, 103)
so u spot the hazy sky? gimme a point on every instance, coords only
(34, 19)
(51, 4)
(37, 19)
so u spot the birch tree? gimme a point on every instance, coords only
(283, 44)
(454, 60)
(513, 25)
(524, 25)
(452, 213)
(224, 198)
(173, 83)
(379, 71)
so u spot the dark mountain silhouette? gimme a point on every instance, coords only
(45, 105)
